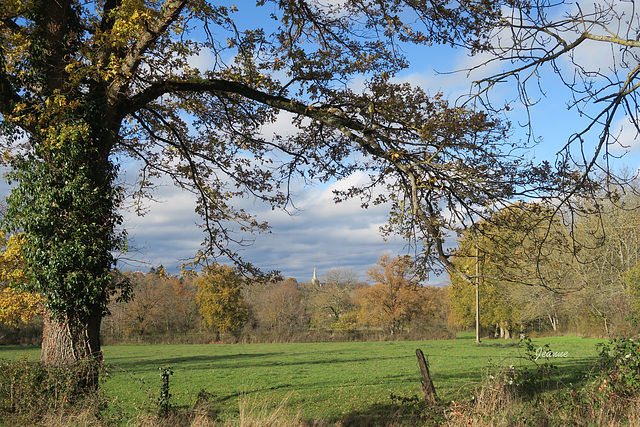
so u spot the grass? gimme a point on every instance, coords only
(326, 381)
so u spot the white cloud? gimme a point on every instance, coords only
(204, 60)
(320, 234)
(628, 140)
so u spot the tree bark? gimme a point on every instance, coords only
(507, 334)
(73, 343)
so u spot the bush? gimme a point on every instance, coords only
(619, 365)
(30, 391)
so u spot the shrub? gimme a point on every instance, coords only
(619, 365)
(30, 391)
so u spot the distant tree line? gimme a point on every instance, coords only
(219, 304)
(542, 269)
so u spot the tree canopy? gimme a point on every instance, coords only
(523, 255)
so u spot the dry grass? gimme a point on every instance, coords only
(251, 413)
(496, 403)
(492, 405)
(254, 413)
(77, 418)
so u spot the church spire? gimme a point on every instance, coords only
(315, 280)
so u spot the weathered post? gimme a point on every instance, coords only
(428, 389)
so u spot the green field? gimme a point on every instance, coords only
(320, 380)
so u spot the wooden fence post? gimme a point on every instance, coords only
(428, 389)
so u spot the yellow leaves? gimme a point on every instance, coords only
(18, 107)
(219, 299)
(132, 18)
(59, 101)
(50, 118)
(397, 155)
(132, 25)
(15, 306)
(11, 261)
(20, 114)
(58, 134)
(70, 67)
(15, 6)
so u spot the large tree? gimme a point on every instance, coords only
(86, 85)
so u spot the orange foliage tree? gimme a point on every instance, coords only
(395, 298)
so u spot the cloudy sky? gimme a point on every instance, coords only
(321, 234)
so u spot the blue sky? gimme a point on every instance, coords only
(321, 234)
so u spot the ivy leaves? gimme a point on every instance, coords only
(65, 205)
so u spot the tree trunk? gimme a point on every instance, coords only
(553, 319)
(70, 343)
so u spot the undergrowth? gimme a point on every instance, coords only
(31, 393)
(608, 395)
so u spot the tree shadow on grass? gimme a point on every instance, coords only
(249, 392)
(412, 412)
(153, 364)
(229, 361)
(576, 372)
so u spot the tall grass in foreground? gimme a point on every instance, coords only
(497, 401)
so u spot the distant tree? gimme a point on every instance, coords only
(114, 326)
(497, 310)
(608, 254)
(435, 305)
(162, 304)
(632, 281)
(143, 311)
(220, 299)
(334, 296)
(280, 306)
(394, 298)
(179, 310)
(524, 253)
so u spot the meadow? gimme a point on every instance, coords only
(328, 381)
